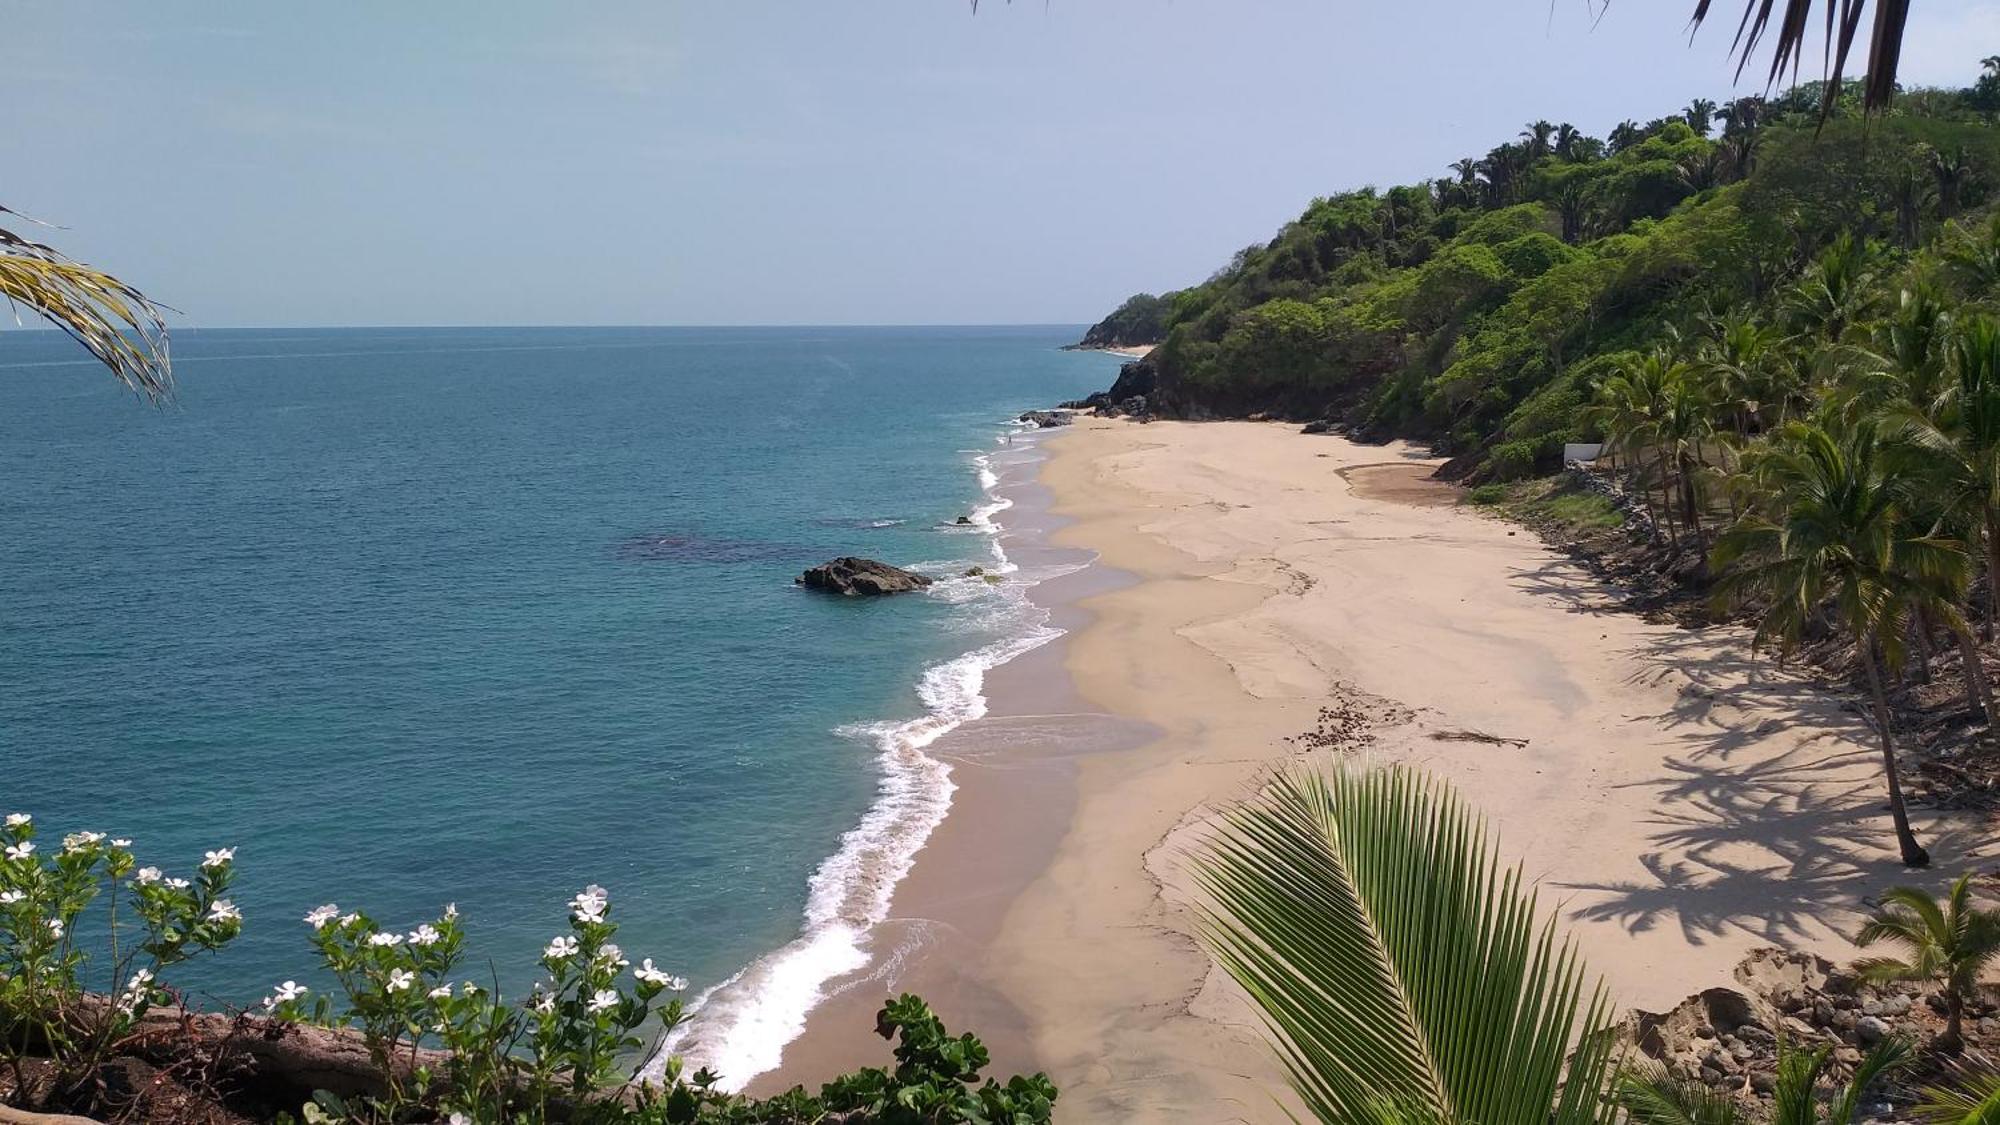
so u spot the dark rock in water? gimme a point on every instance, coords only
(963, 521)
(851, 577)
(1047, 419)
(975, 572)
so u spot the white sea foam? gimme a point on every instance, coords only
(741, 1026)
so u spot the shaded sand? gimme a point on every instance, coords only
(1680, 801)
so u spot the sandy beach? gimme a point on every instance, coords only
(1681, 801)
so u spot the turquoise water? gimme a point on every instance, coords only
(482, 616)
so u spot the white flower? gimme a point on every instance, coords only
(450, 911)
(18, 819)
(543, 1002)
(9, 898)
(425, 935)
(646, 972)
(22, 850)
(178, 884)
(224, 911)
(603, 1000)
(400, 979)
(146, 875)
(385, 939)
(441, 992)
(349, 918)
(80, 841)
(590, 905)
(561, 949)
(291, 990)
(121, 843)
(457, 1119)
(468, 988)
(612, 955)
(140, 980)
(319, 916)
(220, 857)
(55, 927)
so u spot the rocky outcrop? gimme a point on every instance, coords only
(1048, 419)
(1128, 396)
(855, 577)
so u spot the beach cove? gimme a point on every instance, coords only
(1257, 593)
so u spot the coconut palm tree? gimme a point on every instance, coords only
(1699, 114)
(1630, 408)
(1836, 536)
(1949, 945)
(1536, 138)
(1624, 135)
(1404, 974)
(1653, 1099)
(1973, 257)
(1956, 432)
(112, 320)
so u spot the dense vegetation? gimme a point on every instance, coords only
(1480, 310)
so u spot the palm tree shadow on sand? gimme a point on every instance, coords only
(1773, 819)
(1770, 819)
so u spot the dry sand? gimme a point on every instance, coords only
(1680, 801)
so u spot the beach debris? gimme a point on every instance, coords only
(1477, 736)
(1351, 721)
(849, 576)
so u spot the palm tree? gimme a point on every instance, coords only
(1741, 116)
(1836, 291)
(1624, 135)
(1698, 114)
(1948, 945)
(1653, 1099)
(1973, 257)
(1630, 408)
(1949, 168)
(1837, 534)
(115, 322)
(1402, 972)
(1954, 431)
(1569, 142)
(1536, 136)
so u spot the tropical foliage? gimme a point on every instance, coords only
(1949, 944)
(584, 1046)
(1404, 972)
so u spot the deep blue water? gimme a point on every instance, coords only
(484, 615)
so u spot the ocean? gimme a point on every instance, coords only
(481, 616)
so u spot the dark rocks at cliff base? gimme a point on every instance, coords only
(1322, 426)
(1048, 419)
(854, 577)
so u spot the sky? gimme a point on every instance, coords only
(460, 162)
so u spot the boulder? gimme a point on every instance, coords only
(850, 577)
(1047, 419)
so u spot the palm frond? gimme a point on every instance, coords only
(112, 320)
(1842, 23)
(1969, 1096)
(1367, 915)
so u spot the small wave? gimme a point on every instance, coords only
(742, 1025)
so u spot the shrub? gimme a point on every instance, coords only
(1487, 495)
(44, 1006)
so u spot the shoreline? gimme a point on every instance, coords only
(1255, 585)
(1129, 351)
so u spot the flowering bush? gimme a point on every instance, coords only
(44, 1008)
(565, 1048)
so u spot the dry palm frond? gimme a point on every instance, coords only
(1843, 27)
(117, 323)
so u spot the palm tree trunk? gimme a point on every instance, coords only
(1953, 1039)
(1992, 570)
(1667, 497)
(1914, 854)
(1978, 689)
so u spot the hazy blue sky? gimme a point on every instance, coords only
(736, 161)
